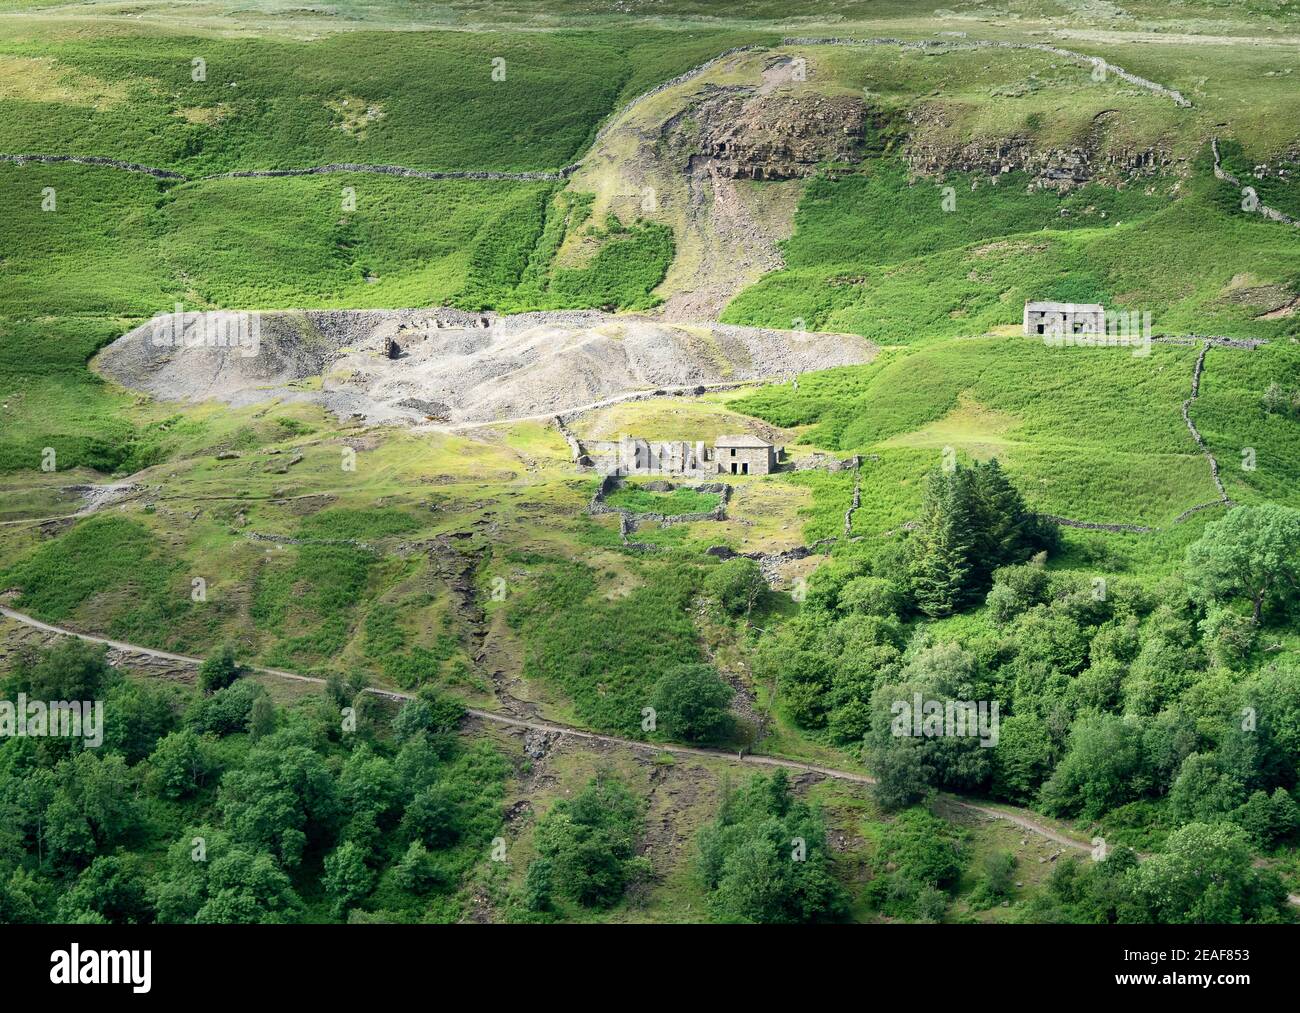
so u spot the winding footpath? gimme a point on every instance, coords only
(1014, 816)
(654, 748)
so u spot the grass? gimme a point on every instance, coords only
(678, 501)
(110, 563)
(606, 654)
(1090, 433)
(981, 286)
(289, 242)
(905, 219)
(52, 401)
(276, 101)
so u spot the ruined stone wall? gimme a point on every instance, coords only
(646, 457)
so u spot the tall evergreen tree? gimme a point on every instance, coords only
(940, 548)
(972, 521)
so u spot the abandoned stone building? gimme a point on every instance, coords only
(1061, 318)
(632, 455)
(399, 337)
(730, 455)
(744, 455)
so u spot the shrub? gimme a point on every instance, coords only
(737, 585)
(874, 596)
(227, 710)
(765, 859)
(219, 670)
(691, 701)
(590, 841)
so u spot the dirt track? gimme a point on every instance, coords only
(752, 760)
(1019, 817)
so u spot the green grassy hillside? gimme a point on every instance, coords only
(462, 564)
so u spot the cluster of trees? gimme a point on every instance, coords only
(851, 632)
(222, 807)
(972, 521)
(587, 849)
(1152, 706)
(765, 858)
(1205, 875)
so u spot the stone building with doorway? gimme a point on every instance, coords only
(631, 455)
(744, 455)
(1064, 318)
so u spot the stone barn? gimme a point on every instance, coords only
(744, 455)
(1064, 318)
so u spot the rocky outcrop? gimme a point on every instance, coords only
(779, 137)
(1059, 168)
(681, 78)
(1055, 168)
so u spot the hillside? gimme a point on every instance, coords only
(817, 230)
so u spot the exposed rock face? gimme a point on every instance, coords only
(1058, 168)
(780, 136)
(1055, 168)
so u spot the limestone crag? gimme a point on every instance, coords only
(779, 136)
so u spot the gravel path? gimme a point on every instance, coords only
(747, 759)
(1018, 817)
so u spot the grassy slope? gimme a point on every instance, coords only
(1096, 434)
(924, 274)
(284, 242)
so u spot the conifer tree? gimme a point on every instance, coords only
(940, 547)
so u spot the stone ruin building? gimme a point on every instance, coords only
(1064, 318)
(744, 455)
(730, 455)
(397, 338)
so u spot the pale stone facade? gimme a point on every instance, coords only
(1064, 318)
(744, 455)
